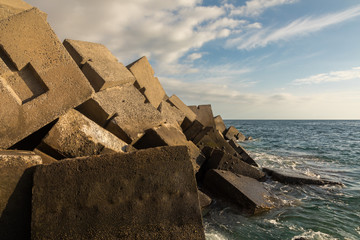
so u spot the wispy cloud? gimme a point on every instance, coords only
(335, 76)
(257, 7)
(299, 27)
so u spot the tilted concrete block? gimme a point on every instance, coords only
(39, 81)
(122, 111)
(146, 82)
(16, 174)
(167, 135)
(247, 192)
(100, 67)
(171, 114)
(11, 7)
(219, 124)
(223, 161)
(74, 135)
(148, 194)
(242, 152)
(233, 133)
(204, 199)
(204, 115)
(192, 131)
(175, 101)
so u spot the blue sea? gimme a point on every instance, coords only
(330, 149)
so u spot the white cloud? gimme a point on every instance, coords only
(335, 76)
(299, 27)
(257, 7)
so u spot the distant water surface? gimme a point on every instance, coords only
(329, 149)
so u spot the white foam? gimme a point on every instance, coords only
(311, 235)
(214, 236)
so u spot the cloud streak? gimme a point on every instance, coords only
(256, 7)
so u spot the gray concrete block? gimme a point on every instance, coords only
(192, 131)
(204, 115)
(175, 101)
(171, 114)
(233, 133)
(148, 194)
(242, 152)
(219, 124)
(11, 7)
(39, 81)
(100, 67)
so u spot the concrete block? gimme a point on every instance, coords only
(192, 131)
(204, 115)
(16, 174)
(171, 114)
(247, 192)
(189, 114)
(74, 135)
(122, 111)
(233, 133)
(204, 199)
(148, 194)
(11, 7)
(219, 124)
(292, 177)
(100, 67)
(39, 81)
(223, 161)
(46, 159)
(146, 82)
(167, 135)
(242, 152)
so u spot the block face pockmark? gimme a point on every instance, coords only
(16, 171)
(204, 115)
(175, 101)
(74, 135)
(122, 111)
(247, 192)
(219, 124)
(11, 7)
(98, 64)
(242, 152)
(148, 194)
(39, 81)
(146, 82)
(233, 133)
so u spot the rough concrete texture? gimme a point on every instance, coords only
(148, 194)
(175, 101)
(219, 124)
(293, 177)
(171, 114)
(46, 159)
(204, 115)
(192, 131)
(209, 137)
(74, 135)
(242, 152)
(11, 7)
(247, 192)
(221, 160)
(167, 135)
(233, 133)
(39, 81)
(122, 111)
(204, 199)
(100, 67)
(15, 193)
(146, 82)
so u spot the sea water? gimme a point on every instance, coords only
(330, 149)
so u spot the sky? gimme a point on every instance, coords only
(254, 59)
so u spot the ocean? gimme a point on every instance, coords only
(330, 149)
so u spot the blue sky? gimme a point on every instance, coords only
(255, 59)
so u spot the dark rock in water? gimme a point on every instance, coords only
(292, 177)
(221, 160)
(240, 150)
(247, 192)
(147, 194)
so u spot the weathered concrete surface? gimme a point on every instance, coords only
(221, 160)
(15, 193)
(219, 124)
(167, 135)
(46, 159)
(11, 7)
(171, 114)
(244, 155)
(192, 131)
(247, 192)
(204, 115)
(233, 133)
(292, 177)
(204, 199)
(175, 101)
(39, 81)
(122, 111)
(74, 135)
(146, 82)
(148, 194)
(100, 67)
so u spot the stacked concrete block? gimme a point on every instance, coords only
(39, 81)
(101, 68)
(11, 7)
(171, 114)
(190, 116)
(247, 192)
(146, 82)
(148, 194)
(74, 135)
(16, 171)
(233, 133)
(122, 111)
(219, 124)
(204, 115)
(242, 152)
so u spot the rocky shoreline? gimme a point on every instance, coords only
(93, 149)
